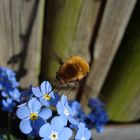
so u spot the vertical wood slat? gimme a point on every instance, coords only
(69, 26)
(122, 87)
(114, 22)
(21, 23)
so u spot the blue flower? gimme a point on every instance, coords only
(95, 103)
(7, 79)
(44, 93)
(77, 110)
(65, 110)
(9, 100)
(15, 95)
(55, 99)
(97, 117)
(82, 133)
(8, 86)
(56, 130)
(32, 115)
(7, 104)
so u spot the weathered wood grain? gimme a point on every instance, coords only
(21, 23)
(69, 26)
(122, 87)
(114, 22)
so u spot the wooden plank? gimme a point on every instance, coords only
(122, 87)
(114, 22)
(21, 23)
(69, 26)
(119, 132)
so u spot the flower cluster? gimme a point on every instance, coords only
(96, 118)
(47, 115)
(8, 89)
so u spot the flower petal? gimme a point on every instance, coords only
(45, 139)
(69, 109)
(65, 134)
(55, 100)
(15, 94)
(9, 100)
(22, 105)
(45, 130)
(46, 87)
(23, 112)
(25, 126)
(36, 124)
(44, 101)
(63, 99)
(51, 94)
(87, 133)
(4, 94)
(81, 131)
(60, 108)
(36, 91)
(57, 123)
(78, 134)
(72, 120)
(34, 105)
(45, 113)
(4, 103)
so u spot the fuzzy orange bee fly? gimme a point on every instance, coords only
(73, 69)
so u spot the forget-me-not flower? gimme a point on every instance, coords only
(97, 117)
(77, 110)
(65, 110)
(82, 133)
(56, 130)
(7, 79)
(44, 93)
(8, 88)
(7, 104)
(95, 103)
(32, 116)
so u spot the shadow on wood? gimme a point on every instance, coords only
(25, 38)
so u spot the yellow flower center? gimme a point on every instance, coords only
(33, 116)
(47, 97)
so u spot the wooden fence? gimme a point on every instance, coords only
(98, 30)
